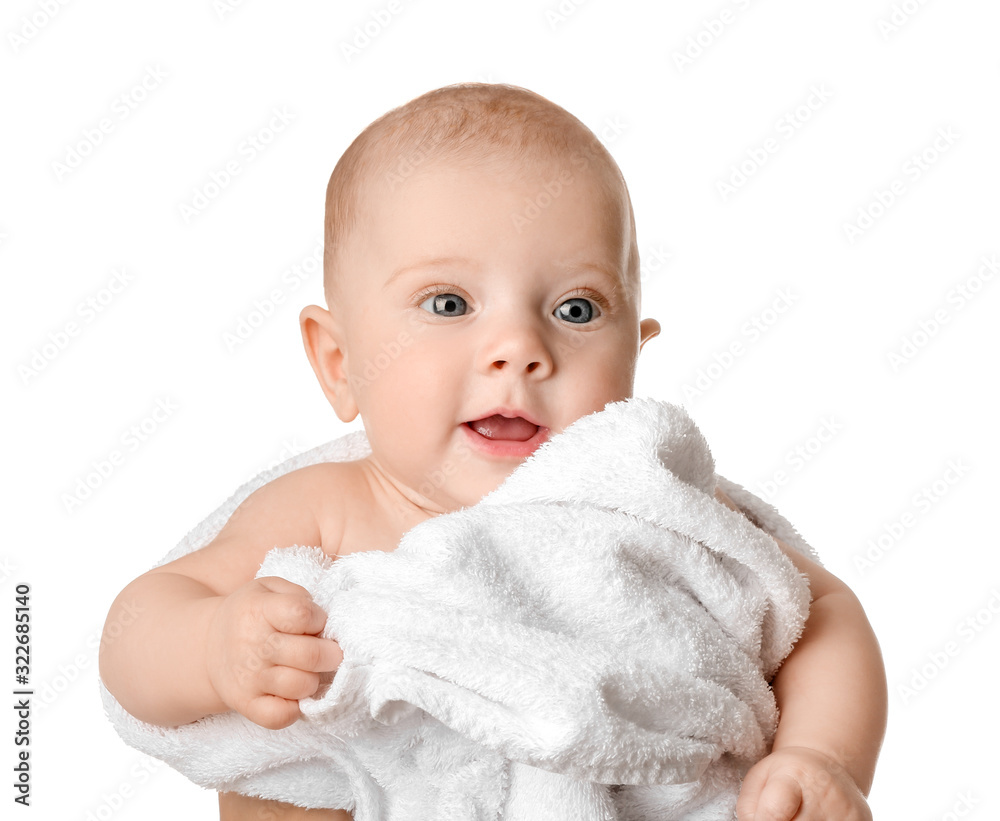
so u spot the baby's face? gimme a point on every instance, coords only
(461, 302)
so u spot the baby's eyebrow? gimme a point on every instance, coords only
(433, 262)
(609, 273)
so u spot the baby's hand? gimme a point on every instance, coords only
(263, 651)
(802, 784)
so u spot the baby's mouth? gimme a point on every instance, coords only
(517, 429)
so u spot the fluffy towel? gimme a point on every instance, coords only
(592, 640)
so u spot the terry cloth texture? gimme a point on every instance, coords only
(592, 640)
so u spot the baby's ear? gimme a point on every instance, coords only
(323, 339)
(648, 328)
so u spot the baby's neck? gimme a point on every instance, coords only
(399, 503)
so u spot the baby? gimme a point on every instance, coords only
(482, 277)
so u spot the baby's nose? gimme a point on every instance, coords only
(501, 363)
(524, 351)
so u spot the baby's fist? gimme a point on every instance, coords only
(264, 652)
(802, 784)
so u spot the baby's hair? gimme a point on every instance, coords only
(481, 124)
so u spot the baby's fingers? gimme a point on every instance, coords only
(293, 611)
(768, 796)
(272, 712)
(289, 683)
(779, 800)
(309, 653)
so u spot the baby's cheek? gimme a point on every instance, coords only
(611, 376)
(385, 361)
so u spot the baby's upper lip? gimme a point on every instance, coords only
(510, 413)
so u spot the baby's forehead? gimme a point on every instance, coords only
(537, 180)
(605, 200)
(576, 168)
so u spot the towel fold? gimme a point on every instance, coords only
(592, 640)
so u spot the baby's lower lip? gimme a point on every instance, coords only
(506, 448)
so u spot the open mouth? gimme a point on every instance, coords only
(497, 426)
(506, 437)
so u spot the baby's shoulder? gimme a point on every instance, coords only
(328, 484)
(334, 493)
(347, 514)
(302, 507)
(305, 506)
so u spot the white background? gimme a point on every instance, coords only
(824, 364)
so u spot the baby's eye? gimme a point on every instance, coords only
(577, 310)
(445, 304)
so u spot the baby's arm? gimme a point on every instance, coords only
(209, 637)
(832, 696)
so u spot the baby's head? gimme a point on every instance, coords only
(480, 262)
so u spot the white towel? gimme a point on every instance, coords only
(592, 640)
